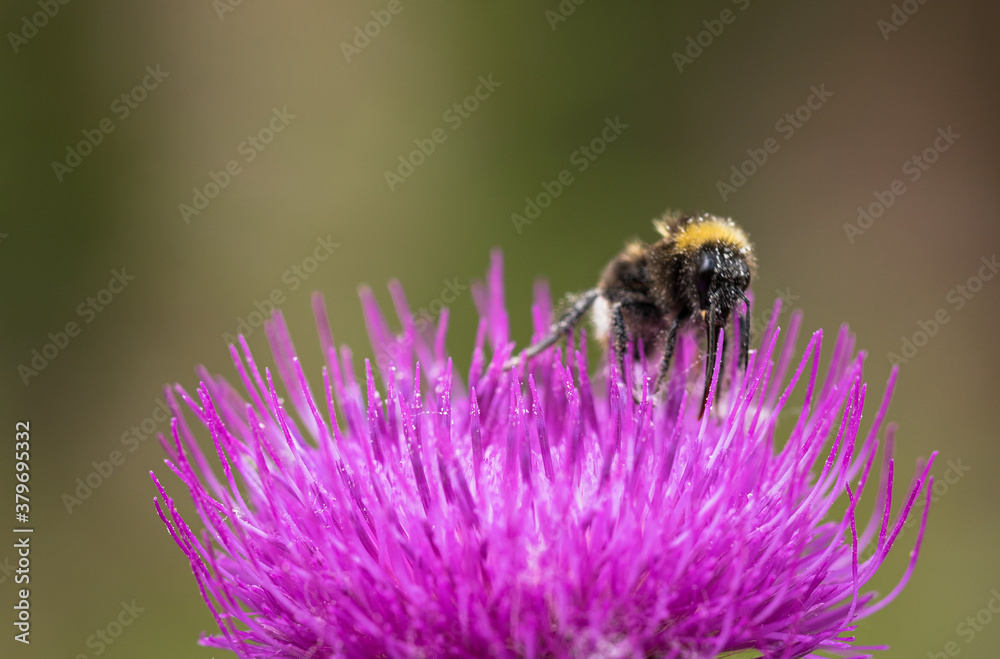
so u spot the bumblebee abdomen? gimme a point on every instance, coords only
(627, 275)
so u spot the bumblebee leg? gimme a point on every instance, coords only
(711, 346)
(669, 344)
(644, 318)
(619, 335)
(564, 324)
(727, 340)
(745, 338)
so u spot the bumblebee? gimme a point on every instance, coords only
(696, 274)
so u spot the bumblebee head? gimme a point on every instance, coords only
(719, 276)
(716, 265)
(713, 260)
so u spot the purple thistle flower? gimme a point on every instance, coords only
(549, 518)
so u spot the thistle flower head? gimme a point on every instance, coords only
(535, 513)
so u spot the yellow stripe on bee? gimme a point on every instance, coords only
(696, 234)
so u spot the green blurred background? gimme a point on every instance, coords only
(229, 67)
